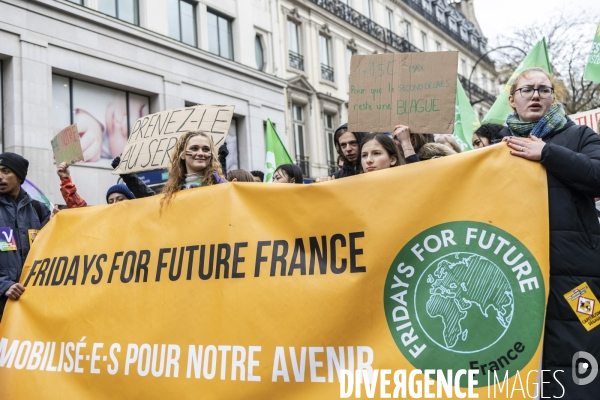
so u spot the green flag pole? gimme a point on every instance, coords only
(537, 57)
(276, 152)
(465, 120)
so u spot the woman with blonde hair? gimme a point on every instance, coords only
(540, 131)
(194, 163)
(447, 141)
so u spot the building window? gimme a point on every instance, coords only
(259, 53)
(182, 21)
(427, 6)
(293, 38)
(441, 16)
(99, 112)
(464, 34)
(331, 152)
(389, 19)
(299, 140)
(232, 159)
(325, 55)
(424, 41)
(463, 65)
(484, 82)
(220, 37)
(125, 10)
(452, 24)
(369, 9)
(349, 54)
(438, 46)
(407, 29)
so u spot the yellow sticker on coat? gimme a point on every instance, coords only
(585, 304)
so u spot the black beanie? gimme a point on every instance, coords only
(16, 163)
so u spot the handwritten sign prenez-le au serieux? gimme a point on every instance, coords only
(154, 136)
(413, 89)
(66, 146)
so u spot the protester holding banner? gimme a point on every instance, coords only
(22, 217)
(378, 151)
(570, 154)
(288, 173)
(194, 163)
(487, 134)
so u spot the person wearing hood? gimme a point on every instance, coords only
(22, 217)
(347, 145)
(570, 154)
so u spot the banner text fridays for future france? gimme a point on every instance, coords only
(229, 294)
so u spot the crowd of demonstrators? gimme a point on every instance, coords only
(540, 131)
(22, 217)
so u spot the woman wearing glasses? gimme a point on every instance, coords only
(571, 155)
(194, 163)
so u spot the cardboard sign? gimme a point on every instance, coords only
(66, 146)
(413, 89)
(154, 136)
(589, 118)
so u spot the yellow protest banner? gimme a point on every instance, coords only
(261, 291)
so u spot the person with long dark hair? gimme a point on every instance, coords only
(377, 152)
(288, 173)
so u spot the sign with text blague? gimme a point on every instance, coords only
(154, 136)
(413, 89)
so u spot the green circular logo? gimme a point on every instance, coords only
(466, 295)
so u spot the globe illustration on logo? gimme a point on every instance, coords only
(464, 302)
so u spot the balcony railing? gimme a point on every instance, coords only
(444, 25)
(296, 60)
(476, 90)
(327, 72)
(399, 43)
(304, 164)
(353, 17)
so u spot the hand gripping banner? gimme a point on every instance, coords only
(249, 290)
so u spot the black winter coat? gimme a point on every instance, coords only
(572, 161)
(19, 215)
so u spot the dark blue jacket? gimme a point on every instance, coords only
(20, 215)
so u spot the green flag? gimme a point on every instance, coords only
(592, 69)
(537, 57)
(465, 120)
(276, 152)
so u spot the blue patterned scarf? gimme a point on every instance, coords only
(553, 120)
